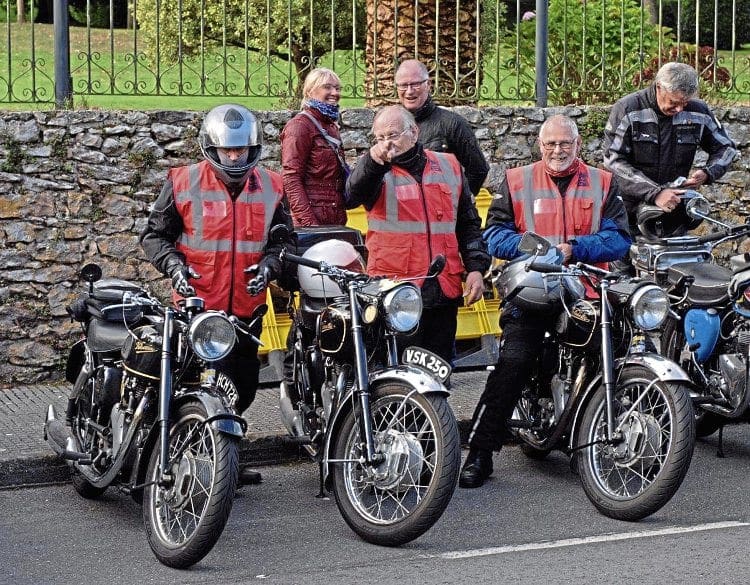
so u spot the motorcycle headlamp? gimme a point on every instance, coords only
(211, 336)
(649, 306)
(403, 308)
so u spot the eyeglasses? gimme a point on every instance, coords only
(564, 145)
(412, 85)
(390, 137)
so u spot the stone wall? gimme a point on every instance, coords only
(75, 186)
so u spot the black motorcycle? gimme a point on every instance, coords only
(708, 332)
(150, 414)
(622, 413)
(379, 426)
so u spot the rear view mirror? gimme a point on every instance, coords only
(279, 234)
(532, 243)
(698, 208)
(436, 266)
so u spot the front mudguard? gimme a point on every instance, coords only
(665, 370)
(417, 379)
(219, 416)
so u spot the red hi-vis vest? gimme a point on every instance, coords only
(538, 206)
(221, 237)
(409, 225)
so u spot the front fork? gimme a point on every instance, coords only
(165, 397)
(363, 382)
(608, 362)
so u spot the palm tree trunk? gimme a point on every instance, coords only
(441, 34)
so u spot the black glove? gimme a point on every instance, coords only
(179, 273)
(263, 275)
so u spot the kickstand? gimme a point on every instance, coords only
(720, 449)
(322, 492)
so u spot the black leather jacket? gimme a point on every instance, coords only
(442, 130)
(646, 150)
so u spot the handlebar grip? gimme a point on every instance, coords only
(302, 261)
(545, 267)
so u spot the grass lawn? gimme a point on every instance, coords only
(112, 78)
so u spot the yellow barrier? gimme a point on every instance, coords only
(473, 322)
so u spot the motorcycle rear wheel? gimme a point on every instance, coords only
(634, 478)
(185, 519)
(400, 499)
(87, 439)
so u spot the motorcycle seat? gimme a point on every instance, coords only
(710, 285)
(104, 336)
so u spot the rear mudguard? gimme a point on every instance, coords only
(665, 370)
(417, 379)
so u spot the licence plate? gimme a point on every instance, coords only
(426, 360)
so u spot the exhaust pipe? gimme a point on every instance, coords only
(289, 416)
(58, 437)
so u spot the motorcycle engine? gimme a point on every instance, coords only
(733, 385)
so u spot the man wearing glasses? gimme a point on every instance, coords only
(440, 130)
(418, 206)
(578, 209)
(651, 138)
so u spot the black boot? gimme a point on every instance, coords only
(476, 469)
(249, 476)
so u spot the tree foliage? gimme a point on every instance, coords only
(595, 49)
(296, 31)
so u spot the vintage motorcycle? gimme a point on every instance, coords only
(708, 332)
(624, 415)
(381, 428)
(150, 414)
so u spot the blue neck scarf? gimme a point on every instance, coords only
(328, 110)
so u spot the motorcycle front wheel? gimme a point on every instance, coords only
(634, 477)
(400, 498)
(185, 518)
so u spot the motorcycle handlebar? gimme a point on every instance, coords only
(303, 261)
(731, 233)
(546, 267)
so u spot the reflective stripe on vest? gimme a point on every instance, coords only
(539, 207)
(222, 237)
(405, 232)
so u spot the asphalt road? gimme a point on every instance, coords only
(531, 523)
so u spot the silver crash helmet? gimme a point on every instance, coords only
(533, 291)
(336, 252)
(654, 223)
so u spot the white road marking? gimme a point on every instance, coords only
(499, 550)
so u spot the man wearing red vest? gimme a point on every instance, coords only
(579, 210)
(419, 205)
(211, 221)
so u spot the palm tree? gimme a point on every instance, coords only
(441, 34)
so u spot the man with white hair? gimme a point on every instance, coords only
(651, 138)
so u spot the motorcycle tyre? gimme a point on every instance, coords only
(445, 478)
(217, 509)
(533, 452)
(82, 486)
(666, 484)
(85, 488)
(673, 339)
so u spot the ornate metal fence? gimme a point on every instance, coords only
(478, 52)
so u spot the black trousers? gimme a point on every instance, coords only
(436, 333)
(242, 367)
(520, 343)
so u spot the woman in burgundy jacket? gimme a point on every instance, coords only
(313, 165)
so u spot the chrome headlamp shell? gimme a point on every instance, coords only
(649, 306)
(403, 308)
(211, 336)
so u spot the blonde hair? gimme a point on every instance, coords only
(316, 78)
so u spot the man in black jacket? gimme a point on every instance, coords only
(651, 138)
(440, 130)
